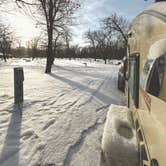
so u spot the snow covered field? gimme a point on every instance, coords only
(61, 120)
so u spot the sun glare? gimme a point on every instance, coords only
(24, 28)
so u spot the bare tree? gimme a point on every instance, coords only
(117, 25)
(34, 45)
(5, 41)
(100, 40)
(57, 14)
(91, 36)
(103, 42)
(56, 43)
(67, 38)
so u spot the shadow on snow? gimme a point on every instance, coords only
(93, 92)
(12, 140)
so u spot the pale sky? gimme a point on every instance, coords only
(23, 25)
(89, 15)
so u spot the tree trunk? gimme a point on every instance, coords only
(54, 53)
(50, 23)
(48, 65)
(49, 51)
(4, 56)
(49, 58)
(52, 62)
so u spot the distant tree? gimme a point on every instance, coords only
(75, 51)
(34, 46)
(57, 37)
(117, 25)
(57, 15)
(100, 42)
(5, 41)
(103, 43)
(91, 36)
(67, 38)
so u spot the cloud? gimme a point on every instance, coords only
(92, 12)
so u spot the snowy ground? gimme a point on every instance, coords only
(61, 120)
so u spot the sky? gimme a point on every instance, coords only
(88, 17)
(92, 11)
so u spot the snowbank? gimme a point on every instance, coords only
(119, 143)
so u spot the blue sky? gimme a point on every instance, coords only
(94, 10)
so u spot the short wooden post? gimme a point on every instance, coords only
(18, 85)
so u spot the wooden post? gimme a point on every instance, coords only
(18, 85)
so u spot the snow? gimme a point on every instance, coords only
(61, 120)
(119, 143)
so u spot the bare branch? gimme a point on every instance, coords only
(118, 24)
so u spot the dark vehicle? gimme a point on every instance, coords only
(121, 76)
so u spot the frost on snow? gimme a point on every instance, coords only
(61, 119)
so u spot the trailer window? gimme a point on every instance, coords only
(153, 76)
(146, 72)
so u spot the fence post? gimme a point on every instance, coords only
(18, 85)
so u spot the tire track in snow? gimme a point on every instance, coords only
(80, 96)
(101, 108)
(92, 96)
(73, 149)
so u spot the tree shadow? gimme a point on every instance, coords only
(93, 92)
(78, 72)
(11, 145)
